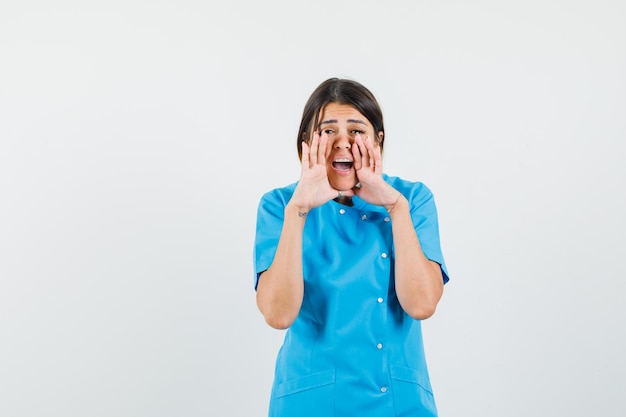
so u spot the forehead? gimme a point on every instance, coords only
(338, 113)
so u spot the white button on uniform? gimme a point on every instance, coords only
(384, 255)
(383, 389)
(380, 300)
(379, 346)
(342, 211)
(387, 219)
(364, 217)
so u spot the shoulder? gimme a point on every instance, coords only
(277, 198)
(412, 190)
(280, 193)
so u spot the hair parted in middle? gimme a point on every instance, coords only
(340, 91)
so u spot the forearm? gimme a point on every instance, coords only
(418, 280)
(281, 287)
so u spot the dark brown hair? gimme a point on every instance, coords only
(340, 91)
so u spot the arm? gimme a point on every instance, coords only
(419, 283)
(281, 287)
(280, 290)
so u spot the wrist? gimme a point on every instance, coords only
(400, 201)
(298, 211)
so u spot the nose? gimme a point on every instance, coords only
(343, 140)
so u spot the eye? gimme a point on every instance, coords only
(357, 131)
(328, 131)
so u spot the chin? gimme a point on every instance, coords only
(343, 184)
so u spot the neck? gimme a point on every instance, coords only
(345, 200)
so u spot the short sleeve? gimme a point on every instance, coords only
(269, 224)
(426, 223)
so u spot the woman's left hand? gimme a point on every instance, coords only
(368, 163)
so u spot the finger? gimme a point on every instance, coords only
(377, 156)
(356, 153)
(321, 153)
(356, 156)
(305, 154)
(314, 148)
(362, 151)
(370, 152)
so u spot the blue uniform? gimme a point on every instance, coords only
(352, 351)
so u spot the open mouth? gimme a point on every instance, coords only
(342, 164)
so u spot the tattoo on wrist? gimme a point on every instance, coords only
(302, 213)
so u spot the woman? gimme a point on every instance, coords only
(348, 260)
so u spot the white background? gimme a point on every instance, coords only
(136, 138)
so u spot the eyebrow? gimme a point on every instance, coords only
(325, 122)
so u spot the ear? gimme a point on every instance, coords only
(381, 136)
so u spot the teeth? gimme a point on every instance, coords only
(342, 160)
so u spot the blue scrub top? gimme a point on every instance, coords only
(352, 351)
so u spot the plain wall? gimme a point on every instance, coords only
(136, 138)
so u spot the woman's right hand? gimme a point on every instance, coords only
(313, 189)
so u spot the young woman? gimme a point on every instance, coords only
(348, 260)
